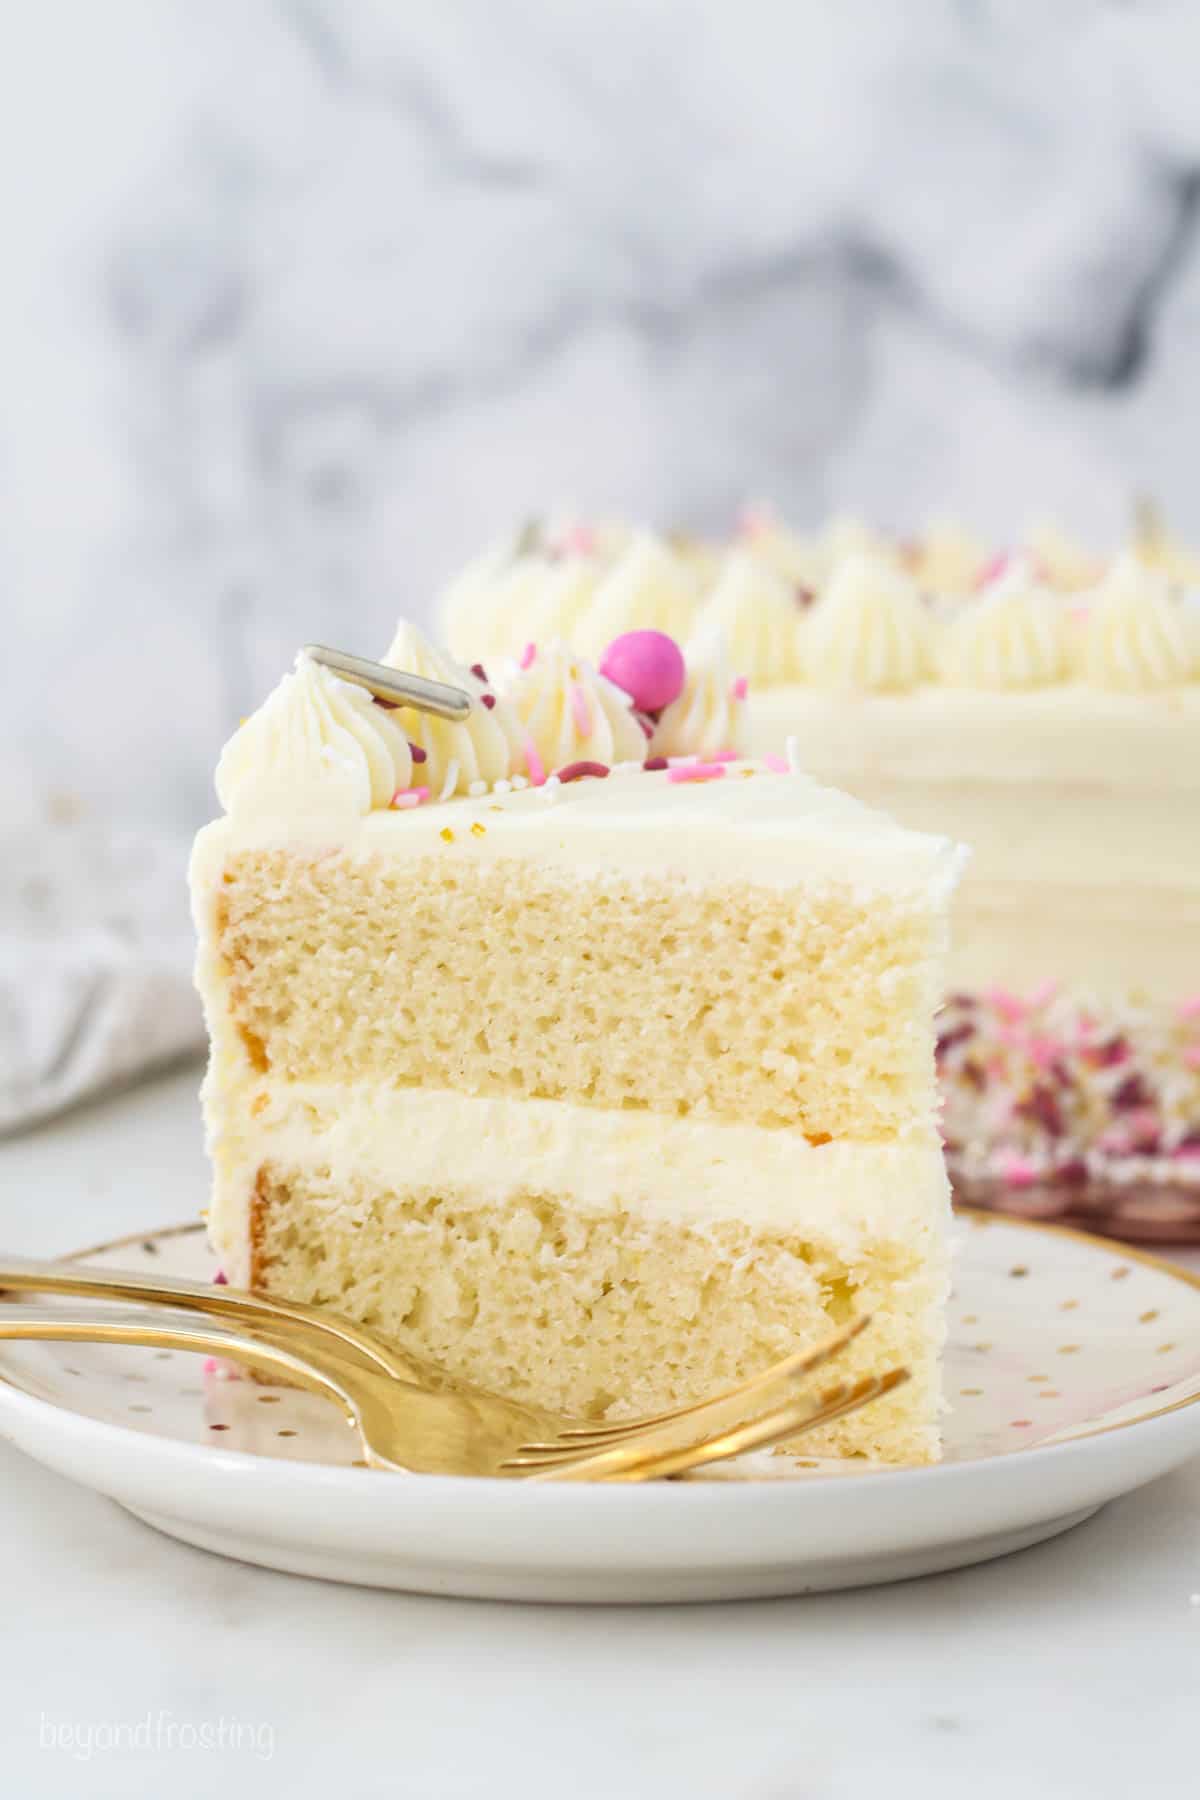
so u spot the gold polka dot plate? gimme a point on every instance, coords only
(1072, 1377)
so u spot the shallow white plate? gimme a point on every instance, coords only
(1071, 1372)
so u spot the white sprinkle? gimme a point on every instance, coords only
(502, 787)
(451, 781)
(477, 788)
(792, 749)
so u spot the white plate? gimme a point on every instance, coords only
(1071, 1372)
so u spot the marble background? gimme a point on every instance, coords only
(302, 300)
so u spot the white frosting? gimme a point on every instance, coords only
(868, 631)
(485, 1150)
(555, 610)
(1010, 636)
(476, 610)
(648, 588)
(755, 611)
(316, 746)
(949, 559)
(709, 715)
(1139, 636)
(780, 830)
(480, 748)
(1064, 562)
(572, 713)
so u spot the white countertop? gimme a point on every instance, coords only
(1069, 1670)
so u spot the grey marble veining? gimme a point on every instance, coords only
(303, 300)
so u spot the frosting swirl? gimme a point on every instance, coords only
(479, 748)
(1009, 636)
(752, 608)
(1139, 636)
(710, 713)
(571, 713)
(947, 558)
(316, 744)
(478, 608)
(647, 588)
(868, 630)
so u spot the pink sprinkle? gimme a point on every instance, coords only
(1007, 1004)
(1190, 1008)
(580, 710)
(1016, 1170)
(1191, 1056)
(211, 1365)
(1046, 1050)
(534, 763)
(753, 520)
(740, 688)
(220, 1279)
(699, 771)
(1042, 995)
(409, 798)
(777, 764)
(993, 569)
(577, 770)
(527, 655)
(580, 540)
(723, 756)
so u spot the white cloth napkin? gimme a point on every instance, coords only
(95, 965)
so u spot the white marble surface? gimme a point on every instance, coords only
(1069, 1671)
(303, 299)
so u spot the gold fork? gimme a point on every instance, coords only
(402, 1426)
(544, 1436)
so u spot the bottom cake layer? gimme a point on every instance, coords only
(661, 1261)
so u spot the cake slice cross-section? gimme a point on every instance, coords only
(604, 1094)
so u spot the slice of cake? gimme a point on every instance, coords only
(603, 1092)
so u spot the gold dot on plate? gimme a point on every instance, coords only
(981, 1346)
(1121, 1273)
(141, 1409)
(268, 1399)
(1069, 1349)
(358, 1463)
(1148, 1318)
(1068, 1306)
(1049, 1394)
(1020, 1423)
(808, 1465)
(970, 1318)
(971, 1393)
(163, 1355)
(1018, 1270)
(1165, 1349)
(478, 830)
(446, 835)
(1036, 1378)
(285, 1433)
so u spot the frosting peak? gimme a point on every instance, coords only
(868, 630)
(754, 610)
(570, 713)
(1009, 636)
(648, 587)
(479, 748)
(710, 713)
(1139, 635)
(315, 745)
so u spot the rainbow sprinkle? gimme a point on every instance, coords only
(404, 802)
(577, 770)
(776, 763)
(740, 688)
(696, 771)
(533, 762)
(527, 656)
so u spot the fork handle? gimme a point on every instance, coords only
(30, 1275)
(53, 1325)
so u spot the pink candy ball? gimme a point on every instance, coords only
(648, 665)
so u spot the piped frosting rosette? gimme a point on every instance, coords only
(567, 713)
(315, 745)
(1139, 635)
(1011, 635)
(709, 716)
(453, 757)
(756, 613)
(869, 631)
